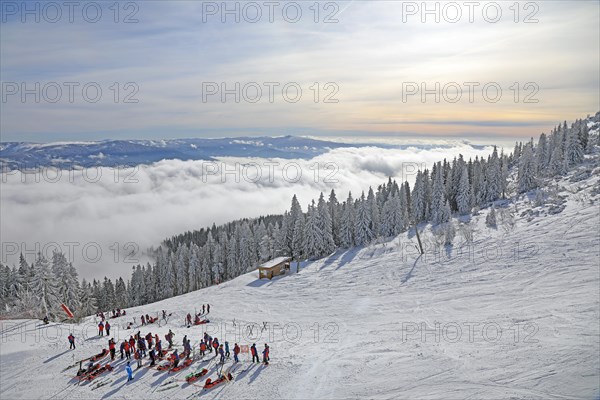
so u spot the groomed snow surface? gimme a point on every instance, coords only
(515, 315)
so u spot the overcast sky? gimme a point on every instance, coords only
(375, 58)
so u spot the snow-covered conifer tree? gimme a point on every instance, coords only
(45, 285)
(347, 224)
(464, 198)
(363, 232)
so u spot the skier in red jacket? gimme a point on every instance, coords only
(71, 341)
(254, 353)
(266, 355)
(111, 347)
(236, 351)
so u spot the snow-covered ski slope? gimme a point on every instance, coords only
(515, 315)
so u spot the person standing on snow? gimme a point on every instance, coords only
(100, 329)
(254, 353)
(187, 347)
(126, 347)
(203, 309)
(208, 308)
(142, 346)
(152, 358)
(169, 337)
(122, 350)
(227, 354)
(202, 348)
(266, 355)
(111, 347)
(138, 356)
(222, 354)
(175, 359)
(129, 372)
(236, 351)
(107, 326)
(71, 341)
(158, 347)
(215, 345)
(143, 320)
(149, 340)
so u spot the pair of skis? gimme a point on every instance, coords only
(102, 383)
(171, 384)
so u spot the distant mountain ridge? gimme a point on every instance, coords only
(110, 153)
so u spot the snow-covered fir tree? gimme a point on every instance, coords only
(347, 223)
(526, 175)
(45, 286)
(363, 223)
(464, 198)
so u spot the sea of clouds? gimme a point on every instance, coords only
(105, 219)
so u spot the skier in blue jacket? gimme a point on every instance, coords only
(129, 372)
(222, 354)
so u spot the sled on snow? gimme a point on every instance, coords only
(99, 356)
(162, 354)
(186, 363)
(209, 384)
(98, 372)
(164, 367)
(204, 321)
(171, 359)
(194, 376)
(83, 373)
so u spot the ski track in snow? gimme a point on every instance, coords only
(364, 302)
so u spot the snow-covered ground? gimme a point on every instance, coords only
(514, 315)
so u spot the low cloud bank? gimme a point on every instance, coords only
(104, 219)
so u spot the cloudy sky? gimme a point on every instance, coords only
(162, 66)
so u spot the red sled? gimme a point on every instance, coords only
(164, 367)
(211, 384)
(162, 354)
(186, 363)
(201, 322)
(99, 356)
(82, 374)
(193, 377)
(98, 372)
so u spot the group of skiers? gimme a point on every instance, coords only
(118, 313)
(151, 346)
(209, 343)
(102, 326)
(138, 347)
(146, 319)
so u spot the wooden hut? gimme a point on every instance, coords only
(274, 267)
